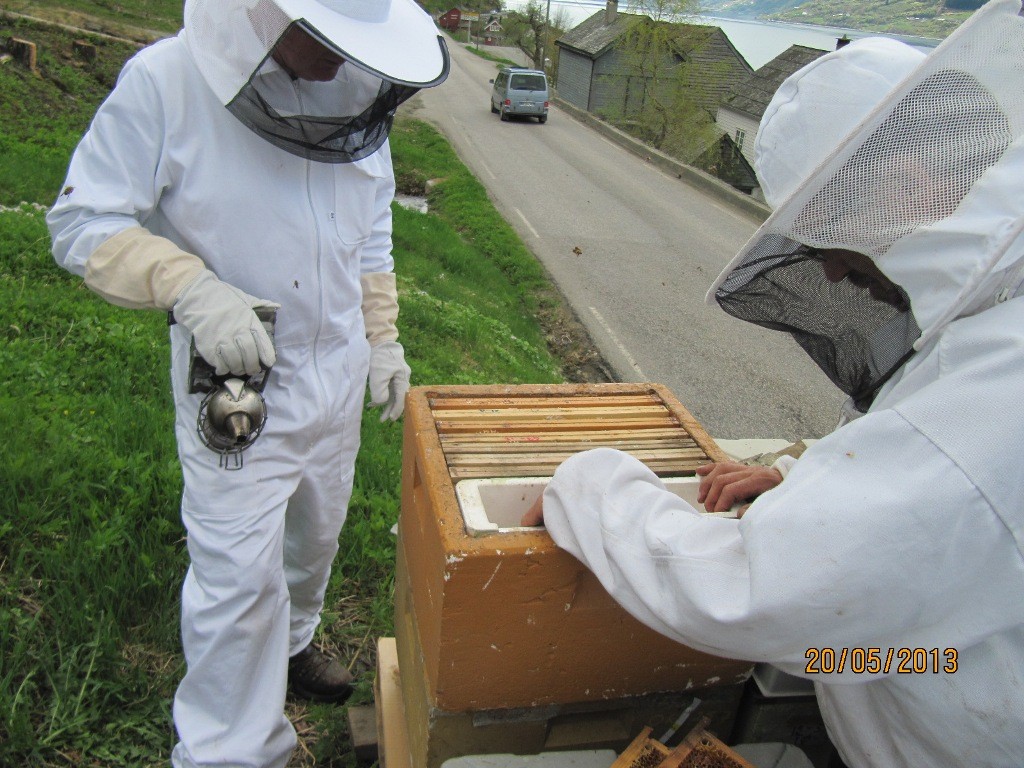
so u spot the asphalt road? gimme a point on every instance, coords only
(649, 246)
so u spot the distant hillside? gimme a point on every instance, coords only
(746, 9)
(924, 18)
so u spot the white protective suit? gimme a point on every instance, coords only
(904, 528)
(165, 154)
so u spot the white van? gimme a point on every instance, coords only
(519, 91)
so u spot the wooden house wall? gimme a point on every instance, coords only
(716, 66)
(574, 73)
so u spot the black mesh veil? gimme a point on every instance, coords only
(857, 340)
(340, 121)
(320, 138)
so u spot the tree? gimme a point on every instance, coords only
(437, 7)
(533, 32)
(558, 24)
(481, 6)
(661, 94)
(665, 10)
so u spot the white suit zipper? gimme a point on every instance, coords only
(319, 273)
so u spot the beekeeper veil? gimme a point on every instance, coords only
(912, 161)
(390, 49)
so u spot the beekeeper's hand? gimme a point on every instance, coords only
(227, 332)
(723, 485)
(135, 268)
(535, 514)
(389, 379)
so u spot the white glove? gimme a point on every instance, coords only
(227, 332)
(389, 379)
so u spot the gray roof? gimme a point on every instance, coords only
(752, 95)
(592, 36)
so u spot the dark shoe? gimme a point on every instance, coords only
(315, 676)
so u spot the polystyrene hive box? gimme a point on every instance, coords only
(511, 620)
(495, 505)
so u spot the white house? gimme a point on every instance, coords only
(740, 112)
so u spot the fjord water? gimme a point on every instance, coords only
(758, 41)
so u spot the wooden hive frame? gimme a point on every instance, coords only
(699, 749)
(528, 431)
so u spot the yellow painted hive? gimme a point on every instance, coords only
(491, 622)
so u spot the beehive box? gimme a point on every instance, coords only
(512, 621)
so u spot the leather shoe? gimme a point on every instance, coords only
(315, 676)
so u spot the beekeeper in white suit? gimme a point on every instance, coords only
(245, 163)
(893, 547)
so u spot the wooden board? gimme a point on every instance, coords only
(393, 738)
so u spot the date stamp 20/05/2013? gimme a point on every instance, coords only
(873, 661)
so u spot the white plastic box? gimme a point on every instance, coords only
(773, 682)
(496, 505)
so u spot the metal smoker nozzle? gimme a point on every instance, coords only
(238, 426)
(231, 417)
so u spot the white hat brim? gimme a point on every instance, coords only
(404, 47)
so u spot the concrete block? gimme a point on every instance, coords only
(362, 728)
(794, 720)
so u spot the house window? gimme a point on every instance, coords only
(740, 136)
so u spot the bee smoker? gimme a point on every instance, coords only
(233, 413)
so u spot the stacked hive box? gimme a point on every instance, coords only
(505, 642)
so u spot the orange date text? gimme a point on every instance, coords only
(873, 661)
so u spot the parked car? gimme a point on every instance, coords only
(519, 91)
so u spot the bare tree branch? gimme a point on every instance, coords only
(526, 30)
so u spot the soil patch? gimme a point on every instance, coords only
(569, 341)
